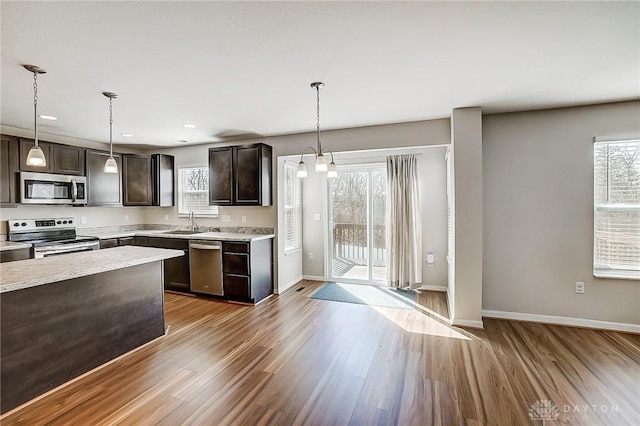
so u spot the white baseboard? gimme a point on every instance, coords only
(449, 304)
(576, 322)
(289, 285)
(313, 278)
(433, 288)
(468, 323)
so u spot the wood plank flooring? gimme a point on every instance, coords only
(292, 360)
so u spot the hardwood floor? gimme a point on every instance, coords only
(294, 360)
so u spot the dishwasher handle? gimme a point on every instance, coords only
(205, 246)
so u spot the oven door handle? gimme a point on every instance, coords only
(67, 248)
(74, 191)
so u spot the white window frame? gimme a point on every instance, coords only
(211, 211)
(612, 270)
(291, 167)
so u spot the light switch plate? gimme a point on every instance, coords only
(316, 216)
(83, 219)
(244, 219)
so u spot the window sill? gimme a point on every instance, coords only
(210, 216)
(618, 275)
(287, 253)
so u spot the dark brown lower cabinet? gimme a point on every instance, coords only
(176, 270)
(116, 242)
(248, 270)
(13, 255)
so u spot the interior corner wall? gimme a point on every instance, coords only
(538, 213)
(466, 147)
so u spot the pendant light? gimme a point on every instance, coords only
(321, 161)
(110, 166)
(35, 157)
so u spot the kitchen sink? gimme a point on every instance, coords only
(183, 232)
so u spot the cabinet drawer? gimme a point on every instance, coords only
(236, 263)
(108, 243)
(236, 286)
(236, 248)
(125, 241)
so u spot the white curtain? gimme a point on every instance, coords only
(404, 229)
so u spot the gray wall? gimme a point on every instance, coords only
(538, 213)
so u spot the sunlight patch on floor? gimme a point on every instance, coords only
(418, 322)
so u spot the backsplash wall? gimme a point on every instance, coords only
(95, 216)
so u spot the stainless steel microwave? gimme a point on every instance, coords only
(47, 188)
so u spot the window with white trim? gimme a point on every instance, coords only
(616, 252)
(193, 192)
(292, 208)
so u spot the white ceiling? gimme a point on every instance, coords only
(245, 67)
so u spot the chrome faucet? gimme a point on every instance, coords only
(194, 226)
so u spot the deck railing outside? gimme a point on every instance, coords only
(350, 242)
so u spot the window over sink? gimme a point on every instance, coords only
(193, 192)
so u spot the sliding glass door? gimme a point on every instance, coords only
(357, 225)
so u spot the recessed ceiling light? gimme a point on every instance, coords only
(48, 117)
(190, 126)
(183, 141)
(126, 135)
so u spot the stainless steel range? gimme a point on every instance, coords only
(50, 237)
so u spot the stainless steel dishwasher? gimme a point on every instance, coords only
(205, 265)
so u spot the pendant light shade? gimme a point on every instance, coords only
(321, 161)
(35, 157)
(302, 170)
(110, 166)
(332, 170)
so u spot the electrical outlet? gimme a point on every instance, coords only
(83, 220)
(126, 218)
(244, 219)
(579, 287)
(166, 217)
(226, 218)
(316, 216)
(310, 256)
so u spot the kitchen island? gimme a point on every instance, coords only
(65, 315)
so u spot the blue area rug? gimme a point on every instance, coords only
(366, 295)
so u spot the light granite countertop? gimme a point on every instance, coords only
(207, 236)
(34, 272)
(12, 245)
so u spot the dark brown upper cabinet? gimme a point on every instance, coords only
(63, 159)
(68, 160)
(47, 150)
(8, 169)
(103, 189)
(148, 180)
(221, 176)
(162, 176)
(136, 180)
(240, 175)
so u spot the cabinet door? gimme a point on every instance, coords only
(220, 176)
(176, 273)
(136, 179)
(237, 287)
(103, 189)
(252, 167)
(68, 159)
(8, 169)
(163, 180)
(126, 241)
(47, 149)
(247, 175)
